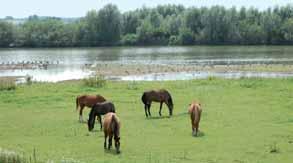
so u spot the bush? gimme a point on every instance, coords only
(132, 85)
(173, 40)
(28, 80)
(7, 84)
(96, 81)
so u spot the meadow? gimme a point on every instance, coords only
(243, 121)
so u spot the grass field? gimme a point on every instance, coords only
(243, 121)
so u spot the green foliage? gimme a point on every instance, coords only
(96, 81)
(162, 25)
(129, 39)
(7, 85)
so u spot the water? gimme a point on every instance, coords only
(70, 63)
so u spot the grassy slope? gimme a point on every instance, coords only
(242, 121)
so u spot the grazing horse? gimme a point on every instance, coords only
(112, 128)
(97, 110)
(87, 100)
(195, 113)
(161, 96)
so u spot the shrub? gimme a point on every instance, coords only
(7, 84)
(28, 80)
(96, 81)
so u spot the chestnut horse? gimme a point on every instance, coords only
(97, 110)
(195, 113)
(112, 128)
(161, 96)
(87, 100)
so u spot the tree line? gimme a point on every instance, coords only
(162, 25)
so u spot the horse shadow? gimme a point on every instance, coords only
(199, 134)
(167, 116)
(157, 118)
(112, 152)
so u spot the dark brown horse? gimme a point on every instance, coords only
(87, 100)
(97, 110)
(195, 114)
(161, 96)
(112, 128)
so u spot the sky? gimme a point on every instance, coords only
(79, 8)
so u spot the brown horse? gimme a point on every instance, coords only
(195, 114)
(89, 101)
(112, 128)
(161, 96)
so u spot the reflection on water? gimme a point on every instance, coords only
(69, 63)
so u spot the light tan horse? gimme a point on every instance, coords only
(112, 128)
(195, 114)
(87, 100)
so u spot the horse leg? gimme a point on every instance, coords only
(149, 107)
(161, 104)
(110, 142)
(105, 142)
(196, 128)
(100, 120)
(80, 113)
(145, 110)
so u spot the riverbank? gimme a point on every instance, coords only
(250, 118)
(142, 69)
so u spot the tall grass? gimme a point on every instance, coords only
(97, 81)
(7, 84)
(11, 157)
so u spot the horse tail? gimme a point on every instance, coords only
(77, 103)
(114, 122)
(170, 101)
(143, 98)
(196, 114)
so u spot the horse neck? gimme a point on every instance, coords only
(92, 115)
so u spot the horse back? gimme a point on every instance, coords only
(195, 112)
(108, 122)
(90, 100)
(104, 107)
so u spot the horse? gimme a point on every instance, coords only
(112, 128)
(195, 114)
(161, 96)
(97, 110)
(87, 100)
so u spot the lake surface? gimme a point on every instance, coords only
(71, 63)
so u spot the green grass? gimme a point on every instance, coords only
(243, 121)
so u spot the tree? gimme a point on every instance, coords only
(6, 34)
(287, 30)
(109, 25)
